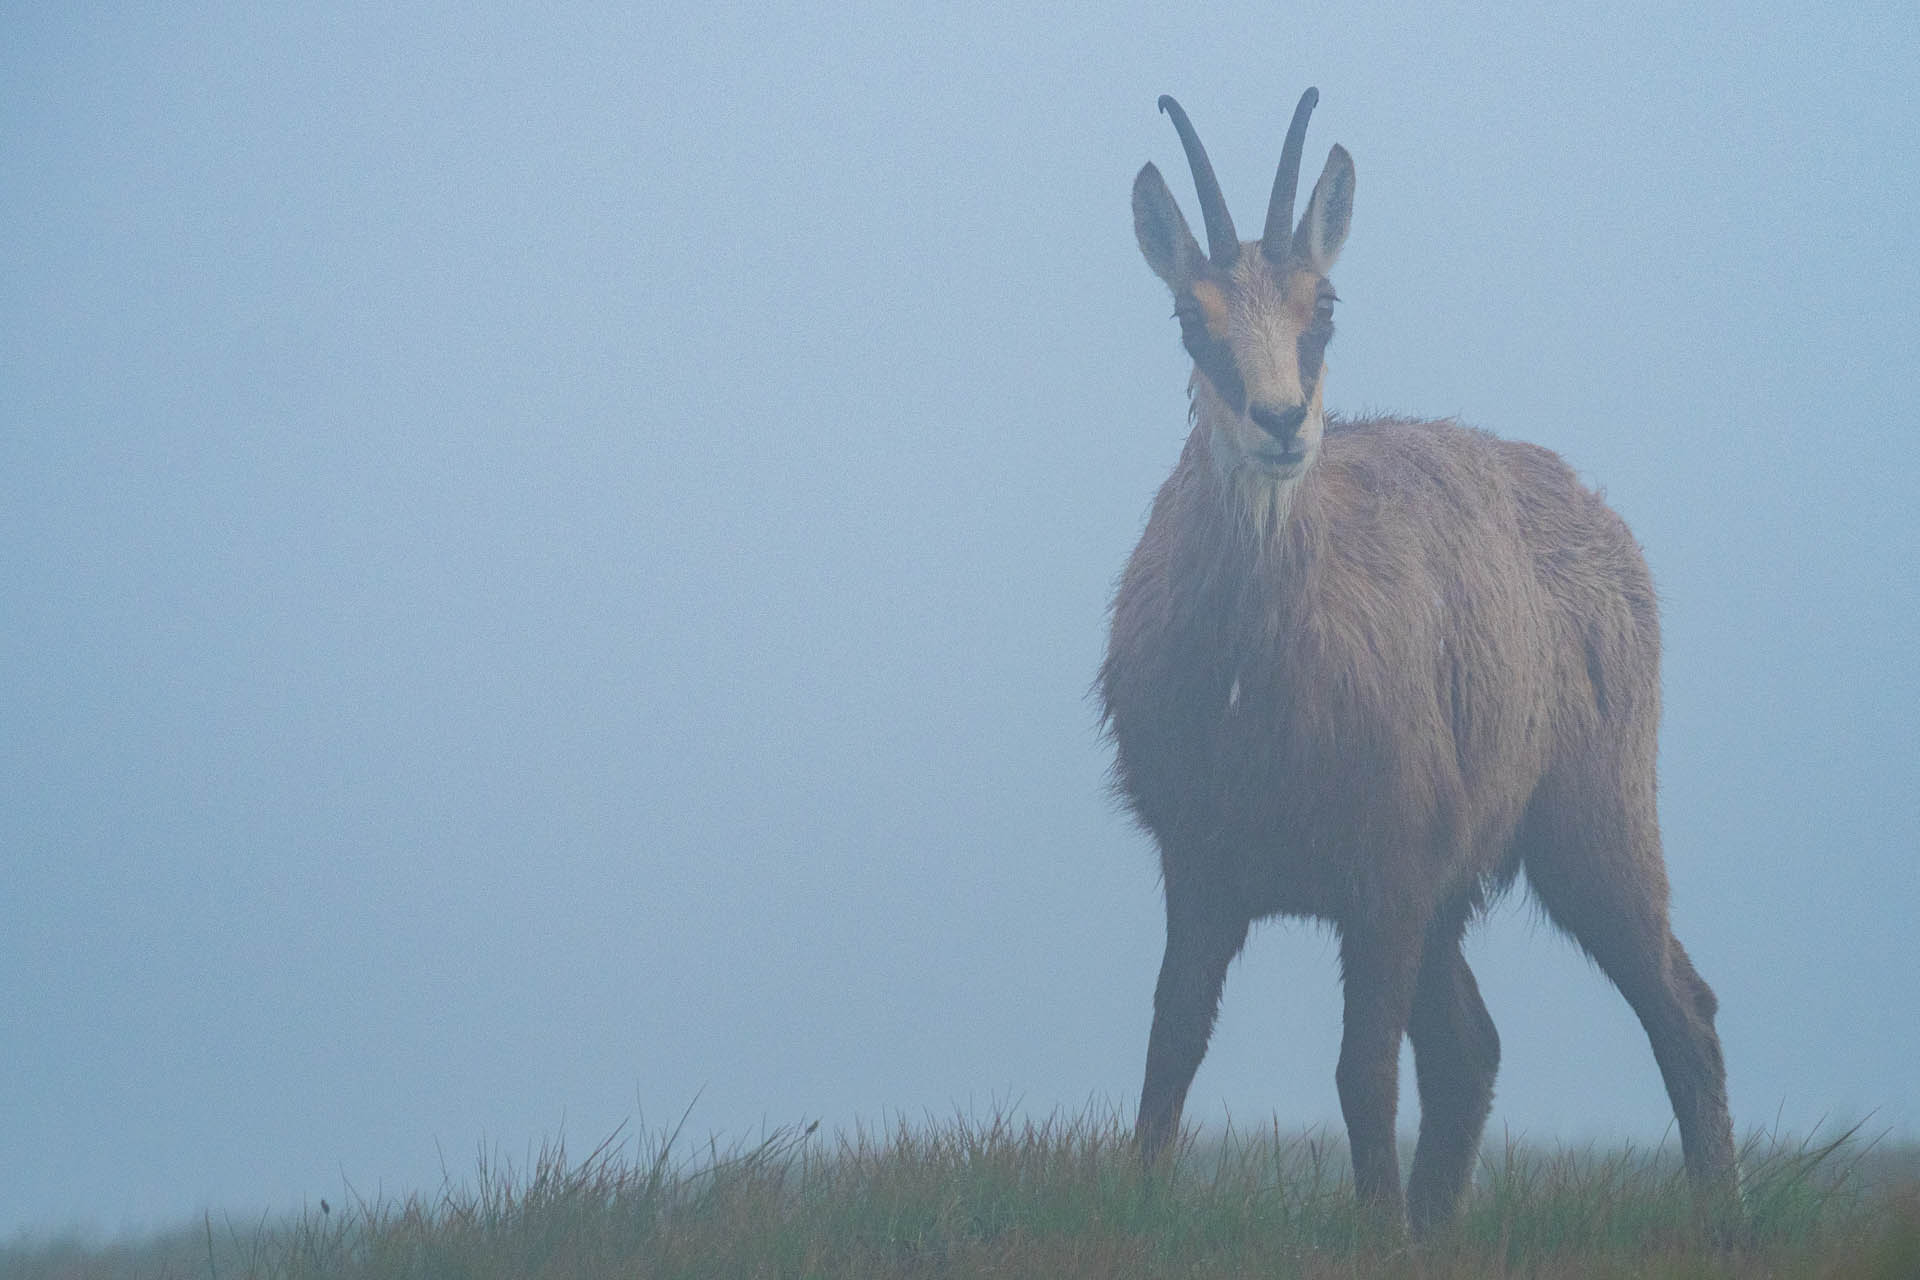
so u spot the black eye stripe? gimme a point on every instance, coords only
(1193, 326)
(1211, 355)
(1221, 371)
(1214, 359)
(1311, 348)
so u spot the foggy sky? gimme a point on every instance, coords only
(552, 564)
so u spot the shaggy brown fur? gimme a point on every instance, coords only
(1436, 664)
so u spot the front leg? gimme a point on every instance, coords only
(1456, 1054)
(1204, 933)
(1379, 963)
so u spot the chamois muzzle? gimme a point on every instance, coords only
(1282, 424)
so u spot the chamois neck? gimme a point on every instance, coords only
(1255, 496)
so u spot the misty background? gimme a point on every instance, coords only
(550, 566)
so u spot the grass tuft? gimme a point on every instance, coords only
(1057, 1197)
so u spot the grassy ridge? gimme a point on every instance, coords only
(1058, 1198)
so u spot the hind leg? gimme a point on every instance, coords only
(1599, 873)
(1456, 1053)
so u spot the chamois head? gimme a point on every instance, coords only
(1256, 317)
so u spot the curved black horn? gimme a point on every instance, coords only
(1223, 246)
(1278, 235)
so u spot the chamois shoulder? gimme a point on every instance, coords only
(1466, 466)
(1432, 474)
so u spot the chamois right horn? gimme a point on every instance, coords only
(1223, 245)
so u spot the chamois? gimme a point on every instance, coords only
(1367, 671)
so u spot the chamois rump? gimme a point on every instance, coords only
(1367, 671)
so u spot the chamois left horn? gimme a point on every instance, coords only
(1277, 237)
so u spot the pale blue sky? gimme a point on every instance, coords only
(553, 563)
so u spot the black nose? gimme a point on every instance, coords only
(1281, 424)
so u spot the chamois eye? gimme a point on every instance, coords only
(1193, 324)
(1323, 309)
(1195, 336)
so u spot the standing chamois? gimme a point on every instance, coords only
(1366, 671)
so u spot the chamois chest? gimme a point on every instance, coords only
(1304, 709)
(1229, 741)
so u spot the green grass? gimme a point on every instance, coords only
(1059, 1198)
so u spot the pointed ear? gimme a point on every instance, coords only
(1323, 228)
(1168, 246)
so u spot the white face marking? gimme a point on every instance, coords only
(1263, 331)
